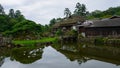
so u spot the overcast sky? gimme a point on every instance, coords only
(42, 11)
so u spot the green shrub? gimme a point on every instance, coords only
(71, 33)
(80, 36)
(59, 32)
(99, 40)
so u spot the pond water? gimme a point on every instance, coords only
(65, 56)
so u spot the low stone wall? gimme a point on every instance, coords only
(5, 42)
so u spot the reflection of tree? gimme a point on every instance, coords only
(83, 53)
(83, 60)
(72, 52)
(26, 55)
(75, 56)
(1, 60)
(4, 52)
(68, 47)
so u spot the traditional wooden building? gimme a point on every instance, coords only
(105, 27)
(68, 23)
(55, 27)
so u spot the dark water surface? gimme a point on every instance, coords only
(65, 56)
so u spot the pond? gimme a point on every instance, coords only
(60, 56)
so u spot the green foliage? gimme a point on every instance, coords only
(25, 28)
(14, 24)
(97, 13)
(80, 36)
(99, 40)
(59, 32)
(26, 55)
(43, 40)
(11, 13)
(19, 16)
(52, 21)
(71, 33)
(46, 28)
(80, 9)
(5, 23)
(104, 14)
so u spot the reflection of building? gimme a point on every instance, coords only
(73, 56)
(105, 27)
(83, 54)
(105, 54)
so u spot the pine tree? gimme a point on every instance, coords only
(67, 12)
(11, 13)
(80, 9)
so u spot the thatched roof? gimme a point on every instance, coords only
(56, 25)
(69, 21)
(72, 20)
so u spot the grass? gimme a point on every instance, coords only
(43, 40)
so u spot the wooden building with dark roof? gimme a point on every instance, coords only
(106, 27)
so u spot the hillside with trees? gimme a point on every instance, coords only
(81, 10)
(16, 26)
(112, 11)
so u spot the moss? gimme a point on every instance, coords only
(30, 42)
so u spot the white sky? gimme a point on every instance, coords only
(42, 11)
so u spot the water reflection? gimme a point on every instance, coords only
(26, 55)
(83, 53)
(1, 60)
(71, 55)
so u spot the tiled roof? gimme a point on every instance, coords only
(106, 23)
